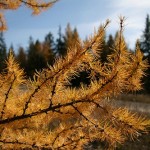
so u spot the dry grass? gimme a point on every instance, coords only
(144, 98)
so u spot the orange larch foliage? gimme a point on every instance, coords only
(45, 113)
(36, 5)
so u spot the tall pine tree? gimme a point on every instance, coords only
(2, 52)
(60, 44)
(145, 42)
(36, 59)
(48, 48)
(145, 47)
(22, 58)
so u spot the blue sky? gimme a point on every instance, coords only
(85, 15)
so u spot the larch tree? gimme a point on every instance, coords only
(48, 114)
(71, 38)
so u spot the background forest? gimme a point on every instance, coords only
(40, 53)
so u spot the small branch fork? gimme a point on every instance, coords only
(65, 130)
(56, 74)
(50, 108)
(81, 114)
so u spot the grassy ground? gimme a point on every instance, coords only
(134, 97)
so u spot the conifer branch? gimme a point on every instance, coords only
(53, 93)
(38, 5)
(81, 114)
(70, 64)
(7, 96)
(47, 103)
(65, 130)
(24, 144)
(52, 108)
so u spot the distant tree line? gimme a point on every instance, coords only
(40, 54)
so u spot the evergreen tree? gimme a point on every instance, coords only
(110, 42)
(40, 54)
(22, 58)
(60, 44)
(36, 59)
(68, 41)
(145, 47)
(49, 48)
(2, 52)
(145, 42)
(108, 47)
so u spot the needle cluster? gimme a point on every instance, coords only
(47, 113)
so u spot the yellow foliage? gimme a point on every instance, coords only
(44, 113)
(36, 5)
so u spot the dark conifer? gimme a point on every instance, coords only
(2, 51)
